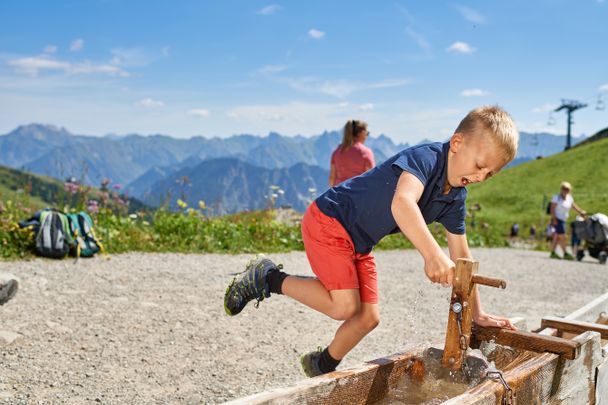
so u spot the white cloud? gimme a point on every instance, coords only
(603, 88)
(366, 107)
(316, 34)
(417, 37)
(389, 83)
(285, 117)
(271, 69)
(77, 45)
(471, 15)
(339, 88)
(268, 10)
(547, 107)
(33, 66)
(474, 93)
(198, 112)
(50, 49)
(461, 47)
(130, 57)
(149, 103)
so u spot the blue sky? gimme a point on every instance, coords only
(412, 69)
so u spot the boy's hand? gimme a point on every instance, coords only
(440, 269)
(484, 319)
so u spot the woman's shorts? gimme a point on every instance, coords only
(332, 257)
(560, 228)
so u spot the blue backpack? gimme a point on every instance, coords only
(86, 243)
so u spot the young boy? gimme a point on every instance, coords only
(419, 185)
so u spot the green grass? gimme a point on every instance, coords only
(520, 194)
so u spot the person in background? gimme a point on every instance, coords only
(351, 158)
(575, 242)
(560, 208)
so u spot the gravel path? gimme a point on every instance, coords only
(150, 328)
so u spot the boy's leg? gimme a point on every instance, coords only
(350, 333)
(337, 304)
(368, 317)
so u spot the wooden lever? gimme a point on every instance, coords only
(528, 341)
(461, 310)
(490, 282)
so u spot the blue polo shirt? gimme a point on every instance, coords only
(363, 204)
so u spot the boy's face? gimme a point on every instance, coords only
(472, 158)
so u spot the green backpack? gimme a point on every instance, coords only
(86, 243)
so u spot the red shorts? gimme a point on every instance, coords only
(333, 259)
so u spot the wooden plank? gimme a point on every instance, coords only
(457, 339)
(573, 326)
(528, 341)
(364, 384)
(590, 312)
(601, 384)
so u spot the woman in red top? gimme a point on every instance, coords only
(351, 158)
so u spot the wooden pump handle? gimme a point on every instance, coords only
(491, 282)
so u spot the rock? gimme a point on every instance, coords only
(8, 337)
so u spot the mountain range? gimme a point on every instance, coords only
(231, 174)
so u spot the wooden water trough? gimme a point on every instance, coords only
(575, 372)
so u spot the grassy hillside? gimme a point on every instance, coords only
(520, 194)
(40, 190)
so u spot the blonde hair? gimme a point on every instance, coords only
(497, 123)
(351, 132)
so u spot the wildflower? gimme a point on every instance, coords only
(182, 204)
(117, 186)
(93, 207)
(280, 192)
(71, 187)
(312, 190)
(201, 204)
(133, 216)
(273, 187)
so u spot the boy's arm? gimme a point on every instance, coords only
(404, 207)
(459, 248)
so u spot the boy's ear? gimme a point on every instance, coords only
(456, 142)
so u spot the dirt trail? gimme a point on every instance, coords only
(150, 328)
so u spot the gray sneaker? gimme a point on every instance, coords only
(252, 285)
(310, 363)
(9, 285)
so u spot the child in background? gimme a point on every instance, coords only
(417, 186)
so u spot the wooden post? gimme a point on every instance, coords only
(461, 306)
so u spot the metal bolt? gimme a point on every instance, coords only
(457, 307)
(451, 360)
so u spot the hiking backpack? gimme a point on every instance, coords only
(86, 243)
(53, 234)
